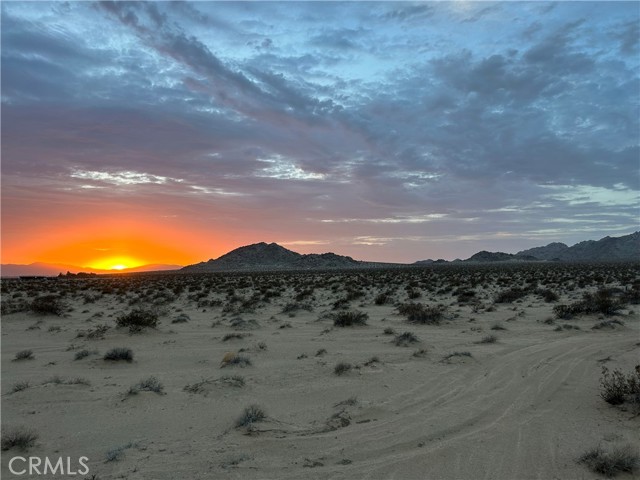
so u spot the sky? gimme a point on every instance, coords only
(171, 132)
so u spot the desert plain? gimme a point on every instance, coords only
(440, 372)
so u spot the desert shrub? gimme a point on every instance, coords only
(20, 438)
(632, 295)
(232, 336)
(232, 380)
(372, 361)
(601, 301)
(237, 360)
(405, 339)
(510, 295)
(119, 354)
(489, 339)
(420, 353)
(612, 461)
(251, 415)
(413, 294)
(497, 326)
(420, 313)
(618, 388)
(24, 355)
(449, 356)
(342, 368)
(182, 318)
(240, 323)
(350, 318)
(19, 386)
(389, 331)
(138, 319)
(115, 454)
(566, 326)
(294, 307)
(95, 333)
(48, 305)
(565, 312)
(81, 354)
(8, 306)
(607, 324)
(382, 299)
(321, 352)
(149, 384)
(548, 295)
(58, 380)
(349, 402)
(464, 295)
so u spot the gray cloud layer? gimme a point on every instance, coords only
(508, 122)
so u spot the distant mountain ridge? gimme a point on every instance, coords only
(625, 248)
(271, 256)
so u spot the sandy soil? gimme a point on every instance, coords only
(526, 406)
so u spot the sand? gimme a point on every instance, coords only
(526, 406)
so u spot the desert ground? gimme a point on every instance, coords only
(441, 372)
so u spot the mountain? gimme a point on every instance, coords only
(549, 252)
(52, 270)
(271, 256)
(622, 248)
(625, 248)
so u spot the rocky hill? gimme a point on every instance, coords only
(271, 256)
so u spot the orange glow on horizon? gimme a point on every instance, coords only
(115, 263)
(116, 243)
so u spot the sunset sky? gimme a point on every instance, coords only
(171, 132)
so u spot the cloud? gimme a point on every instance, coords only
(370, 117)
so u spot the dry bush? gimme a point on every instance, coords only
(422, 314)
(350, 318)
(48, 305)
(119, 354)
(611, 461)
(510, 295)
(149, 384)
(618, 388)
(138, 319)
(251, 415)
(24, 355)
(342, 368)
(18, 437)
(405, 339)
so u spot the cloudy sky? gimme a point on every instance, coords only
(172, 132)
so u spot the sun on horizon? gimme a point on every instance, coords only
(117, 263)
